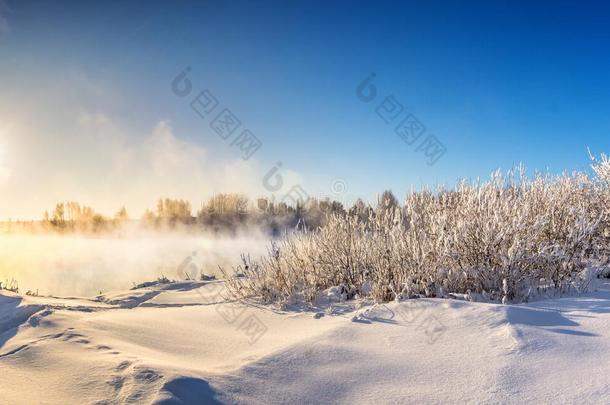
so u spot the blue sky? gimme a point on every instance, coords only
(497, 83)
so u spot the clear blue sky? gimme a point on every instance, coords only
(497, 82)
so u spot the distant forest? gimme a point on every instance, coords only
(222, 213)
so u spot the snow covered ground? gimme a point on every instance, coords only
(181, 343)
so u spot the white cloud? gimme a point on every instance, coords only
(67, 144)
(136, 170)
(103, 164)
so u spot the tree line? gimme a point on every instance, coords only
(221, 213)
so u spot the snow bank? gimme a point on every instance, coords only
(183, 343)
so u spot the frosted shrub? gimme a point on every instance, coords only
(601, 167)
(505, 238)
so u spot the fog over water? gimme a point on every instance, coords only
(75, 265)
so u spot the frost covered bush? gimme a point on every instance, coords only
(506, 238)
